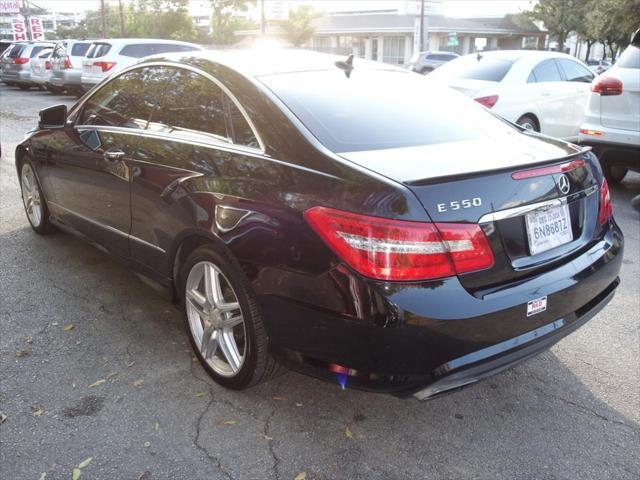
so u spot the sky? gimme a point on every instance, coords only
(454, 8)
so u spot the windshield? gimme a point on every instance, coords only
(470, 67)
(376, 110)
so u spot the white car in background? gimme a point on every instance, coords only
(541, 91)
(612, 117)
(105, 57)
(41, 68)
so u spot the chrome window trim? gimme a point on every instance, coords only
(208, 76)
(106, 227)
(544, 205)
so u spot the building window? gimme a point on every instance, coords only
(359, 46)
(393, 50)
(374, 49)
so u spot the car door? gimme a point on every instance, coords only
(579, 78)
(196, 133)
(89, 161)
(553, 98)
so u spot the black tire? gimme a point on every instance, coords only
(22, 86)
(45, 226)
(528, 122)
(615, 173)
(55, 90)
(258, 364)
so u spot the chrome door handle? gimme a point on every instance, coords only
(113, 155)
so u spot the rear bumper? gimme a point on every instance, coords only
(65, 78)
(436, 336)
(612, 153)
(20, 76)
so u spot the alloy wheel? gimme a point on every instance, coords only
(31, 196)
(215, 319)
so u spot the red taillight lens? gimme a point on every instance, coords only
(47, 65)
(606, 86)
(106, 66)
(538, 172)
(606, 207)
(489, 101)
(394, 250)
(20, 60)
(67, 63)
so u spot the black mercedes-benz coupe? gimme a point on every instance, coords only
(344, 218)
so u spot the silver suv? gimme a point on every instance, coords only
(16, 63)
(427, 62)
(66, 65)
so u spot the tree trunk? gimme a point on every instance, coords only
(589, 43)
(604, 50)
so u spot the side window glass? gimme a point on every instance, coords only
(547, 72)
(240, 130)
(126, 101)
(192, 104)
(574, 72)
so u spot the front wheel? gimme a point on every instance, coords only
(223, 321)
(34, 203)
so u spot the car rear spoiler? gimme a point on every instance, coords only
(635, 38)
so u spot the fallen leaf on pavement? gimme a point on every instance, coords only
(147, 444)
(22, 353)
(111, 375)
(75, 475)
(348, 432)
(228, 422)
(301, 476)
(143, 475)
(281, 399)
(68, 327)
(156, 426)
(43, 476)
(30, 340)
(36, 410)
(201, 394)
(138, 383)
(267, 437)
(55, 324)
(298, 404)
(131, 364)
(3, 417)
(99, 382)
(85, 462)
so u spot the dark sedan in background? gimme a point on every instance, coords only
(349, 220)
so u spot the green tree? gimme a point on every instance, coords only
(560, 17)
(299, 29)
(612, 22)
(224, 21)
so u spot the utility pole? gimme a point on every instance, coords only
(421, 26)
(104, 19)
(121, 18)
(25, 14)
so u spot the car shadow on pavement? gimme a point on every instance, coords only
(107, 362)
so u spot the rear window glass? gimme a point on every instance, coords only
(490, 69)
(630, 58)
(79, 49)
(16, 51)
(98, 50)
(375, 110)
(137, 50)
(37, 49)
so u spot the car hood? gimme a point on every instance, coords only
(410, 164)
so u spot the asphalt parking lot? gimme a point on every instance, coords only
(94, 364)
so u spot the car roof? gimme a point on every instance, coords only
(115, 41)
(258, 62)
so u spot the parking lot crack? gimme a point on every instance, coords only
(269, 438)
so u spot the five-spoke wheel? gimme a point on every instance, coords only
(33, 200)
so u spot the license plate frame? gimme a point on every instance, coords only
(548, 229)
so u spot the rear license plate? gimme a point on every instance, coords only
(548, 229)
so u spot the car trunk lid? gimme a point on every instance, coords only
(477, 182)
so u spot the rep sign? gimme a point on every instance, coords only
(9, 7)
(19, 29)
(37, 32)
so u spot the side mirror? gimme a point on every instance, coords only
(53, 117)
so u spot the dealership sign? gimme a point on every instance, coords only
(37, 32)
(9, 7)
(19, 29)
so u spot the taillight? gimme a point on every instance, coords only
(47, 65)
(106, 66)
(606, 207)
(606, 86)
(387, 249)
(489, 101)
(20, 60)
(538, 172)
(67, 62)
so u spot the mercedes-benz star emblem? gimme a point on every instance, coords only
(563, 184)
